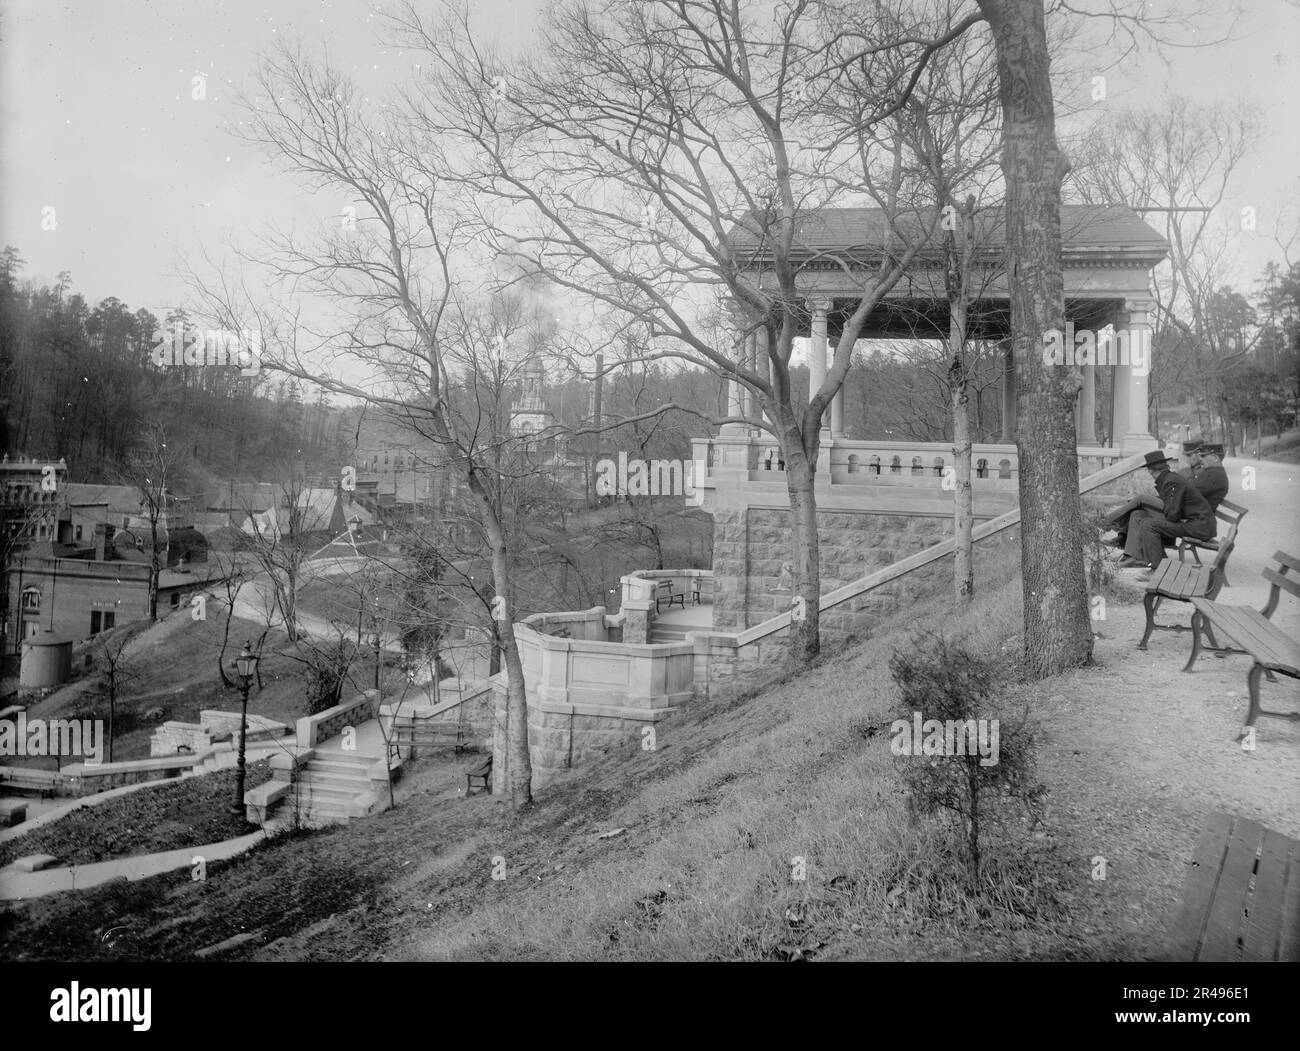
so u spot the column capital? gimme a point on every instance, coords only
(819, 304)
(1139, 307)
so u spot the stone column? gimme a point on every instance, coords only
(1088, 406)
(750, 362)
(736, 391)
(837, 413)
(817, 352)
(1008, 392)
(1133, 343)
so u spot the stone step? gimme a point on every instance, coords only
(335, 766)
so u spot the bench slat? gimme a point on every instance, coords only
(1263, 931)
(1288, 584)
(1198, 892)
(1288, 948)
(1252, 632)
(1228, 909)
(1289, 561)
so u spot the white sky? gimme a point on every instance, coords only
(97, 121)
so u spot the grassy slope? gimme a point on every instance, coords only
(713, 819)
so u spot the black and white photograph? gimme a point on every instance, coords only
(649, 481)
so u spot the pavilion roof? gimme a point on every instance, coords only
(1086, 229)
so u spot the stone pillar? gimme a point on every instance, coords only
(736, 392)
(1133, 343)
(1087, 430)
(1008, 392)
(817, 352)
(750, 362)
(837, 413)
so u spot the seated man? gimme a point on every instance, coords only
(1184, 512)
(1118, 520)
(1192, 447)
(1212, 479)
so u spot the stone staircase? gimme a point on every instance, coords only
(661, 632)
(331, 789)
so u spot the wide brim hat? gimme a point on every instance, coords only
(1156, 457)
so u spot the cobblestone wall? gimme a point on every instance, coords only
(752, 573)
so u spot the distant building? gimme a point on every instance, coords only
(320, 510)
(80, 596)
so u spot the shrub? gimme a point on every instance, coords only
(946, 683)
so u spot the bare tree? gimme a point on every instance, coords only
(649, 152)
(149, 469)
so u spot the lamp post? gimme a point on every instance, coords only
(245, 665)
(375, 641)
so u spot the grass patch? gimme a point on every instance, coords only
(190, 812)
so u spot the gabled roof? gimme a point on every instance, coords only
(1085, 229)
(120, 499)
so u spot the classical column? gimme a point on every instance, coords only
(762, 363)
(1133, 344)
(817, 352)
(735, 392)
(1088, 406)
(751, 363)
(837, 412)
(1008, 393)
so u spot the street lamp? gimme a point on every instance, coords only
(245, 665)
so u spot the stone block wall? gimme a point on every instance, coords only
(752, 565)
(172, 736)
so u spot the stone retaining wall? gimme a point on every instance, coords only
(753, 578)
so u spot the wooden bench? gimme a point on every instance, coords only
(1230, 515)
(664, 593)
(482, 774)
(1241, 900)
(1272, 649)
(1181, 581)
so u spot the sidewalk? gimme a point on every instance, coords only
(17, 886)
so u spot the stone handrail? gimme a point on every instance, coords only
(854, 461)
(924, 558)
(312, 729)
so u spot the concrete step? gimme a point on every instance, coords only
(312, 781)
(333, 766)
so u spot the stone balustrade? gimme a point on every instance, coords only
(312, 729)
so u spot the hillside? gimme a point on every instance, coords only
(686, 852)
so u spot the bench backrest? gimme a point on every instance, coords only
(1231, 514)
(1279, 581)
(664, 585)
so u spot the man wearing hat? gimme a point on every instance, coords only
(1184, 512)
(1210, 478)
(1192, 447)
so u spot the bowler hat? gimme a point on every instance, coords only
(1155, 458)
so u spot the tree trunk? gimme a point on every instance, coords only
(519, 762)
(963, 502)
(805, 612)
(1058, 632)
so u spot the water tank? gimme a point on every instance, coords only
(46, 661)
